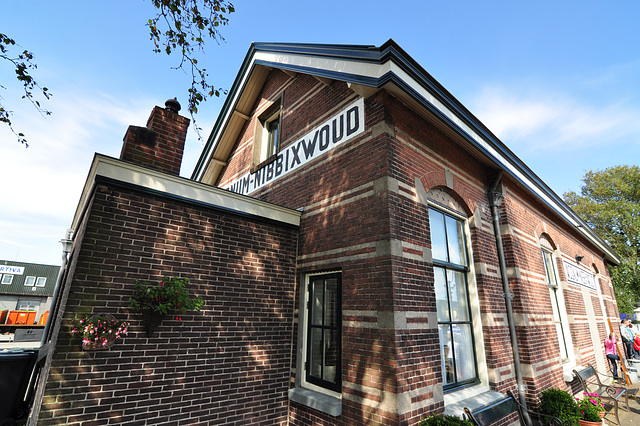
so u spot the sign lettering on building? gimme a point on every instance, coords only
(579, 276)
(343, 126)
(15, 270)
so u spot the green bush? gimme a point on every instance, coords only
(561, 404)
(444, 420)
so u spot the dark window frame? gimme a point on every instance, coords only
(336, 385)
(272, 126)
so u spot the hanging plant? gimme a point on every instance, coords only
(99, 331)
(169, 297)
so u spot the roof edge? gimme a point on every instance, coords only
(419, 84)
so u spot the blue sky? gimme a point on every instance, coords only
(557, 82)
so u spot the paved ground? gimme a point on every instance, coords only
(630, 417)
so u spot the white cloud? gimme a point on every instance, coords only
(553, 121)
(42, 183)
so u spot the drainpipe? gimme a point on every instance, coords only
(495, 199)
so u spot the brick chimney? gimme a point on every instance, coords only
(160, 145)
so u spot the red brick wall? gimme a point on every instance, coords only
(227, 364)
(350, 212)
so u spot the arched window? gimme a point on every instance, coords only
(451, 267)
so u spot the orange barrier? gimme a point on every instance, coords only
(21, 317)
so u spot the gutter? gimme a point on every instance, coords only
(495, 200)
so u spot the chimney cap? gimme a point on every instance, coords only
(172, 105)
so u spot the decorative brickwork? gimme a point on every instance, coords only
(360, 201)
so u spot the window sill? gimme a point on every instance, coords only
(567, 371)
(472, 398)
(327, 404)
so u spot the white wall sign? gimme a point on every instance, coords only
(338, 129)
(15, 270)
(577, 275)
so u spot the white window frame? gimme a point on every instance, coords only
(28, 305)
(4, 279)
(558, 292)
(453, 397)
(41, 281)
(26, 281)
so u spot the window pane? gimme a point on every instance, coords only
(463, 344)
(7, 279)
(442, 303)
(438, 236)
(550, 269)
(30, 281)
(272, 129)
(458, 296)
(40, 282)
(455, 240)
(558, 322)
(446, 354)
(331, 302)
(317, 302)
(554, 305)
(315, 352)
(331, 361)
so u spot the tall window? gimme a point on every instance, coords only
(324, 324)
(450, 267)
(273, 130)
(557, 307)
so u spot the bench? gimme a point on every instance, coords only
(506, 406)
(590, 382)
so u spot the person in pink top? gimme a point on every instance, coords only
(612, 353)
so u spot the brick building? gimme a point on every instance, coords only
(26, 286)
(341, 225)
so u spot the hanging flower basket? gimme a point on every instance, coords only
(169, 297)
(151, 320)
(99, 332)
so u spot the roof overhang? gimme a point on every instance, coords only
(110, 170)
(366, 69)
